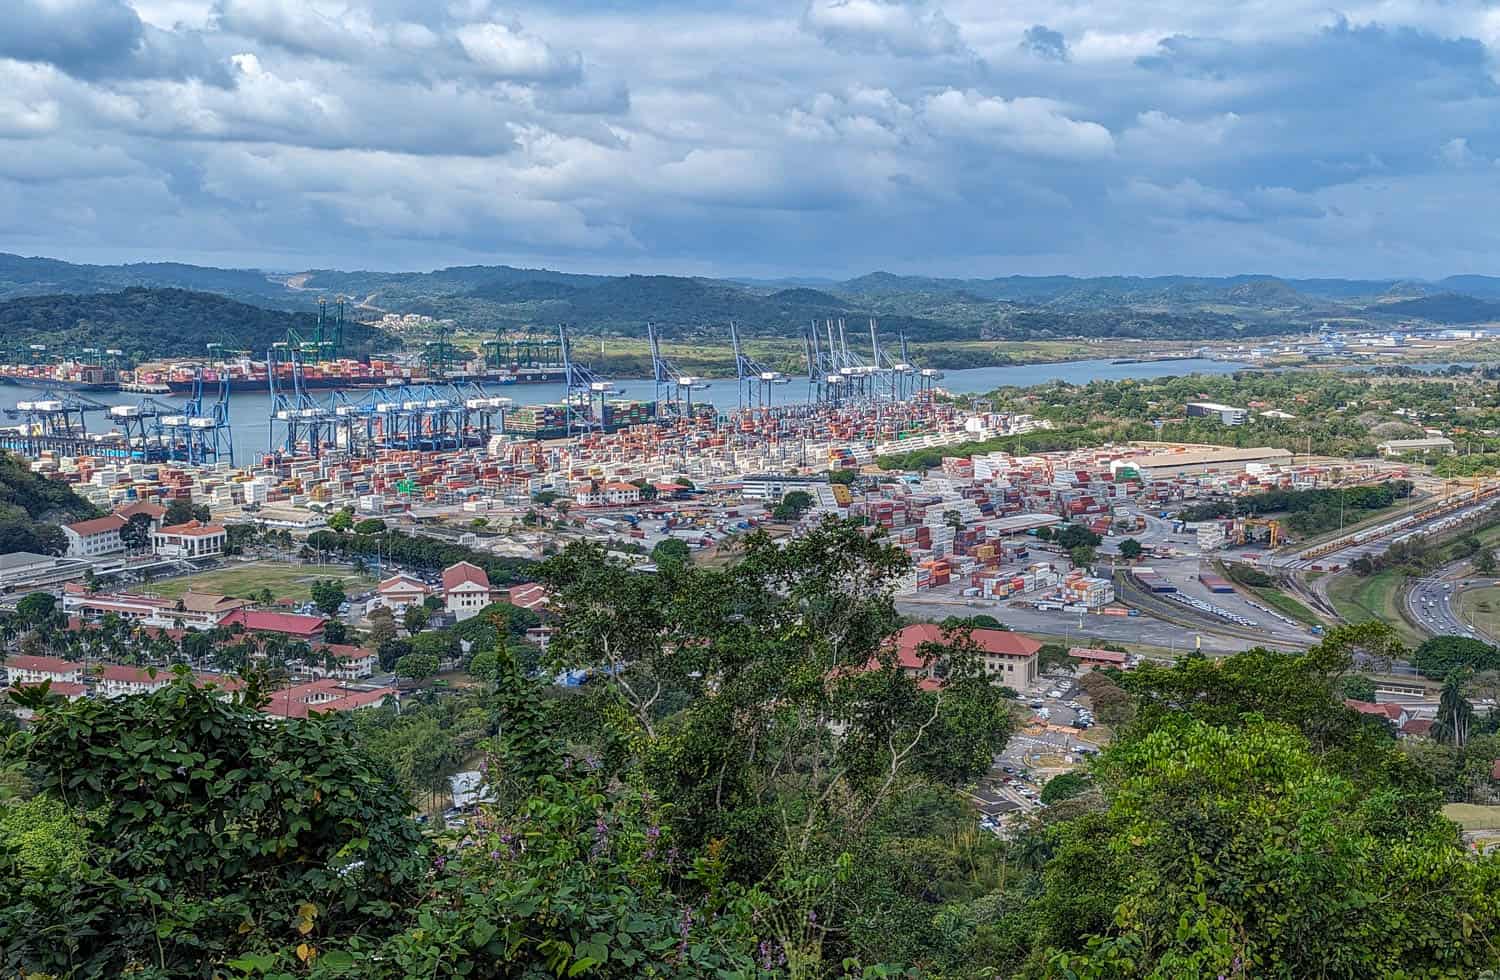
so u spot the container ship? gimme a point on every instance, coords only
(342, 373)
(68, 375)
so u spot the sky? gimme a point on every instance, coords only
(810, 138)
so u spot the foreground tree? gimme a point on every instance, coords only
(203, 830)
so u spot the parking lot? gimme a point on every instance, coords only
(1011, 790)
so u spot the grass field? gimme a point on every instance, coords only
(1286, 605)
(1473, 816)
(246, 581)
(1376, 597)
(1480, 607)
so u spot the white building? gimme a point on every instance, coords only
(116, 681)
(399, 593)
(466, 590)
(353, 663)
(20, 670)
(1397, 447)
(191, 540)
(1227, 414)
(94, 538)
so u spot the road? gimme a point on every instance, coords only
(1072, 627)
(1432, 602)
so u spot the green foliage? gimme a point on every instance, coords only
(181, 510)
(36, 607)
(1278, 863)
(421, 552)
(30, 507)
(1070, 536)
(1311, 511)
(1440, 656)
(415, 618)
(417, 666)
(1249, 575)
(792, 505)
(203, 827)
(155, 323)
(370, 525)
(328, 595)
(1130, 549)
(845, 477)
(1357, 687)
(341, 520)
(1064, 786)
(670, 551)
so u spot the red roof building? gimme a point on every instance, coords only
(96, 537)
(324, 696)
(1008, 658)
(466, 589)
(21, 669)
(1393, 713)
(1094, 657)
(400, 592)
(306, 628)
(527, 596)
(191, 540)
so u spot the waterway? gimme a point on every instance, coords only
(249, 411)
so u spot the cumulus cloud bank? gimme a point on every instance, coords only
(723, 137)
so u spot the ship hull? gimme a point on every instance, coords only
(61, 384)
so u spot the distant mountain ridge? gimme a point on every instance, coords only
(156, 323)
(483, 298)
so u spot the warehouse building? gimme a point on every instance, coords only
(1227, 414)
(1398, 447)
(1167, 466)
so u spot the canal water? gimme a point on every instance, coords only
(249, 410)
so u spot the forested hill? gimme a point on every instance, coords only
(32, 505)
(155, 323)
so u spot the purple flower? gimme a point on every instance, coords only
(439, 862)
(494, 855)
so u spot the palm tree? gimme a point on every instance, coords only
(1455, 715)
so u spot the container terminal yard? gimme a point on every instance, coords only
(439, 456)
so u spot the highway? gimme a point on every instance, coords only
(1432, 602)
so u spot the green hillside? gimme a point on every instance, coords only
(154, 323)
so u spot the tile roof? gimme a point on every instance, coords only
(51, 665)
(193, 529)
(1392, 712)
(262, 621)
(161, 676)
(153, 511)
(98, 525)
(997, 642)
(403, 583)
(1093, 653)
(67, 689)
(464, 573)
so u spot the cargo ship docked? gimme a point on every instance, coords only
(343, 373)
(68, 376)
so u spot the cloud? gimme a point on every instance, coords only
(1026, 125)
(907, 28)
(103, 39)
(806, 137)
(1044, 42)
(505, 51)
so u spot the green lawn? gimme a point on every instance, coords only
(246, 581)
(1473, 816)
(1376, 597)
(1286, 605)
(1480, 607)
